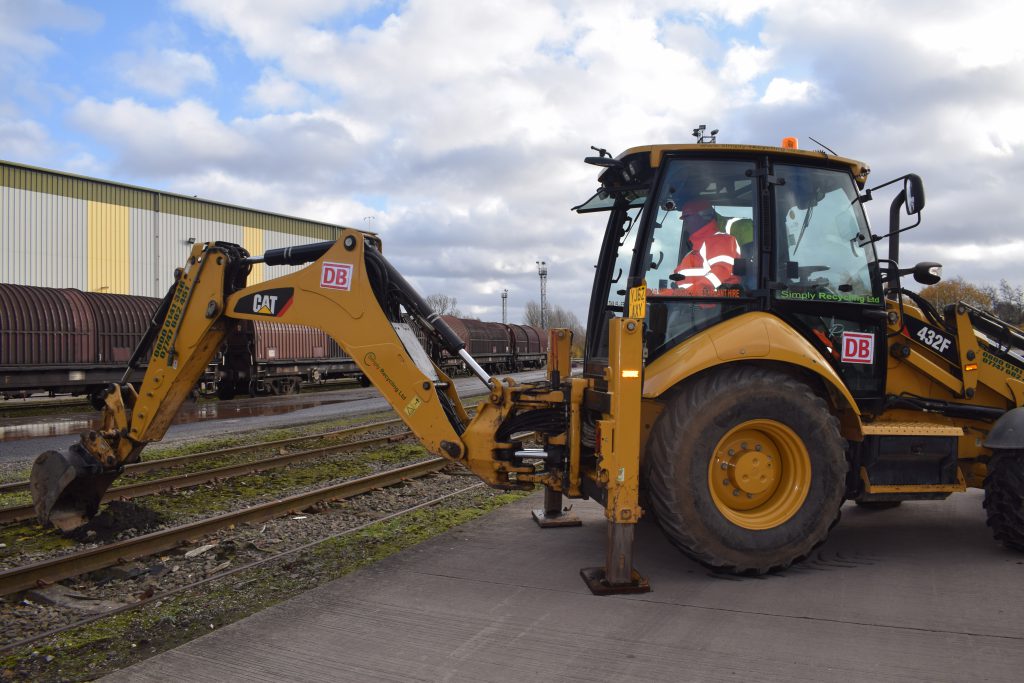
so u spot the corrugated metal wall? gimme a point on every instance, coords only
(62, 230)
(44, 230)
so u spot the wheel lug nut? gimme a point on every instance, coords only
(732, 452)
(735, 492)
(749, 496)
(725, 465)
(757, 447)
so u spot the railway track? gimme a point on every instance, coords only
(57, 569)
(20, 513)
(275, 558)
(13, 408)
(289, 542)
(163, 463)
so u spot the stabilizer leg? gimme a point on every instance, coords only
(619, 457)
(553, 515)
(618, 574)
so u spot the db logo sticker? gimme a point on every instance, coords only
(336, 276)
(858, 347)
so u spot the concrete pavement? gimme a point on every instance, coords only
(916, 593)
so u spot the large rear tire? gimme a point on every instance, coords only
(746, 470)
(1004, 498)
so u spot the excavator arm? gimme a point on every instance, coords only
(349, 291)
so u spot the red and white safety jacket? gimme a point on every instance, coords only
(708, 266)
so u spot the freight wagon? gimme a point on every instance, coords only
(65, 341)
(497, 347)
(274, 358)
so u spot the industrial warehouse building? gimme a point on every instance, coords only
(64, 230)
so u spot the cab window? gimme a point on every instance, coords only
(820, 226)
(703, 236)
(700, 255)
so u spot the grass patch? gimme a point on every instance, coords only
(159, 451)
(273, 484)
(19, 474)
(14, 498)
(28, 538)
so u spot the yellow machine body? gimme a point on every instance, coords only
(742, 414)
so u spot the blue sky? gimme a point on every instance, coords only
(461, 126)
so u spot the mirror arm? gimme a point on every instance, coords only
(894, 224)
(868, 191)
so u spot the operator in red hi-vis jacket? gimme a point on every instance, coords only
(709, 263)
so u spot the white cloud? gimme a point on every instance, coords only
(22, 139)
(784, 91)
(165, 72)
(21, 24)
(26, 98)
(274, 92)
(461, 126)
(743, 63)
(165, 142)
(982, 34)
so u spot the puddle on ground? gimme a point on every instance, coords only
(15, 429)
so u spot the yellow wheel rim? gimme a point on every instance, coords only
(759, 474)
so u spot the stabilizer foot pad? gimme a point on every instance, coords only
(545, 519)
(598, 584)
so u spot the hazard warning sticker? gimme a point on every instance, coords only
(858, 347)
(336, 276)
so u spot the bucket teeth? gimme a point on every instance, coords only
(67, 487)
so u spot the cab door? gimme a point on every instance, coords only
(826, 284)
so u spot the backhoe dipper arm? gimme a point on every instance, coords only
(68, 486)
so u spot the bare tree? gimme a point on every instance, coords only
(531, 316)
(1008, 302)
(557, 317)
(442, 304)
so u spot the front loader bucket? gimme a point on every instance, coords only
(67, 487)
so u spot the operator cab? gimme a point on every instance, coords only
(717, 231)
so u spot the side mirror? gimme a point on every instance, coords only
(927, 273)
(913, 190)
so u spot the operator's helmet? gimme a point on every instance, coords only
(697, 212)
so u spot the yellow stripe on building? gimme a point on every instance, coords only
(252, 241)
(109, 249)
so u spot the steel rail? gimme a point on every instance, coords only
(161, 463)
(43, 405)
(51, 571)
(21, 513)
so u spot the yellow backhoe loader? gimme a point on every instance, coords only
(751, 363)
